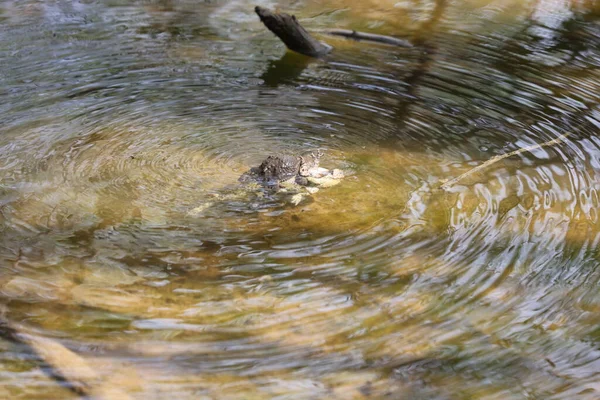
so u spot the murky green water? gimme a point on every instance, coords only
(124, 126)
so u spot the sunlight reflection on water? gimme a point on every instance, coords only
(128, 238)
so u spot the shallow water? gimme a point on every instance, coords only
(126, 237)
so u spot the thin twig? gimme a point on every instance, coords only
(370, 37)
(559, 139)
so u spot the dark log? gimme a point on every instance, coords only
(295, 37)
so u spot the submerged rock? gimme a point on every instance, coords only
(292, 177)
(297, 175)
(284, 168)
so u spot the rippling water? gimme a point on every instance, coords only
(126, 238)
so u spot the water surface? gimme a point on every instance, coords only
(124, 126)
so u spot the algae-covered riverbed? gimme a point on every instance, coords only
(125, 240)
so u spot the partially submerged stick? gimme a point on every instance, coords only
(287, 28)
(370, 37)
(66, 367)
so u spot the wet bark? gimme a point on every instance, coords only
(287, 28)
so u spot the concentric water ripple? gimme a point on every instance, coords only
(127, 237)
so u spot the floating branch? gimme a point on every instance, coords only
(287, 28)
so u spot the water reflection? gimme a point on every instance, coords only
(127, 239)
